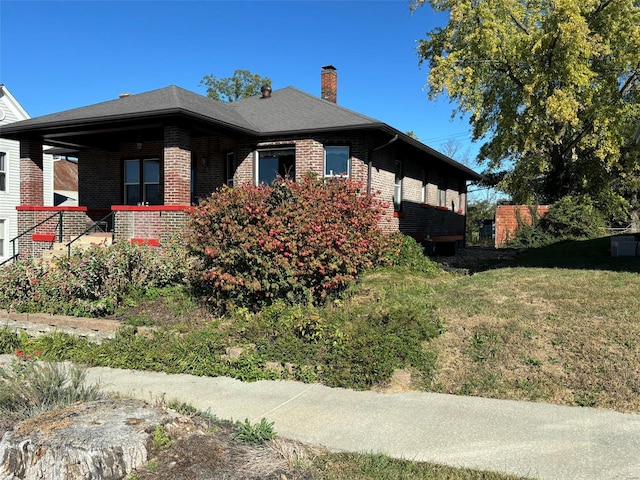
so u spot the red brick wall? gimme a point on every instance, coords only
(162, 223)
(31, 173)
(177, 166)
(418, 218)
(74, 222)
(507, 220)
(208, 154)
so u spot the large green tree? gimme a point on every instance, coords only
(550, 86)
(241, 84)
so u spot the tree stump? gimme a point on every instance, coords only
(105, 439)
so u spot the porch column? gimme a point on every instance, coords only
(177, 166)
(31, 176)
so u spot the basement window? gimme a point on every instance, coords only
(142, 182)
(275, 163)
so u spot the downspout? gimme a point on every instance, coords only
(370, 162)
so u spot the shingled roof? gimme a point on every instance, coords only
(290, 110)
(285, 111)
(170, 100)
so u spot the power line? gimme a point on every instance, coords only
(447, 137)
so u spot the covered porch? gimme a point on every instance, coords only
(137, 183)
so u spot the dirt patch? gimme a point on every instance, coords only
(213, 452)
(476, 259)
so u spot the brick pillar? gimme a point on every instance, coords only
(31, 177)
(177, 166)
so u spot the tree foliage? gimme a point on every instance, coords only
(241, 84)
(552, 86)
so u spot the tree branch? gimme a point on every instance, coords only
(600, 8)
(631, 81)
(519, 24)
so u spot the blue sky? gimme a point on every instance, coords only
(57, 55)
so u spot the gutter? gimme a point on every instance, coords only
(370, 162)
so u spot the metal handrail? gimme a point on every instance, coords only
(13, 240)
(111, 216)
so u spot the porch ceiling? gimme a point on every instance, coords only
(108, 136)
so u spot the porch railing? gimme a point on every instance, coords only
(107, 220)
(14, 240)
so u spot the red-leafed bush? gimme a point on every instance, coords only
(298, 241)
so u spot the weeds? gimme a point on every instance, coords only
(257, 433)
(159, 439)
(30, 387)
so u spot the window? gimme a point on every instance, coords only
(275, 163)
(442, 192)
(397, 188)
(230, 168)
(3, 172)
(2, 235)
(142, 182)
(336, 161)
(424, 196)
(193, 185)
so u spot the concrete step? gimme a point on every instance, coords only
(98, 238)
(49, 255)
(60, 249)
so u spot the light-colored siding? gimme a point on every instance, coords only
(10, 198)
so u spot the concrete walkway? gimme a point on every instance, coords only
(528, 439)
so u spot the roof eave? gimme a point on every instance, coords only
(427, 149)
(16, 131)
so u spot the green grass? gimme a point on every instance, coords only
(557, 324)
(353, 466)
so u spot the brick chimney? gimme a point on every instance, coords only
(329, 83)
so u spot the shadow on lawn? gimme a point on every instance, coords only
(592, 254)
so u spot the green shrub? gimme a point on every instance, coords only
(297, 241)
(411, 255)
(570, 218)
(573, 218)
(89, 283)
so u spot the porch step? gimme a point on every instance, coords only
(103, 239)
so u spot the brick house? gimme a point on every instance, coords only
(143, 159)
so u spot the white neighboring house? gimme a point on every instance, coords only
(11, 111)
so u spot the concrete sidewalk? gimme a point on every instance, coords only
(529, 439)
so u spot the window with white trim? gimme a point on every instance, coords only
(397, 187)
(336, 161)
(2, 237)
(3, 172)
(275, 163)
(142, 182)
